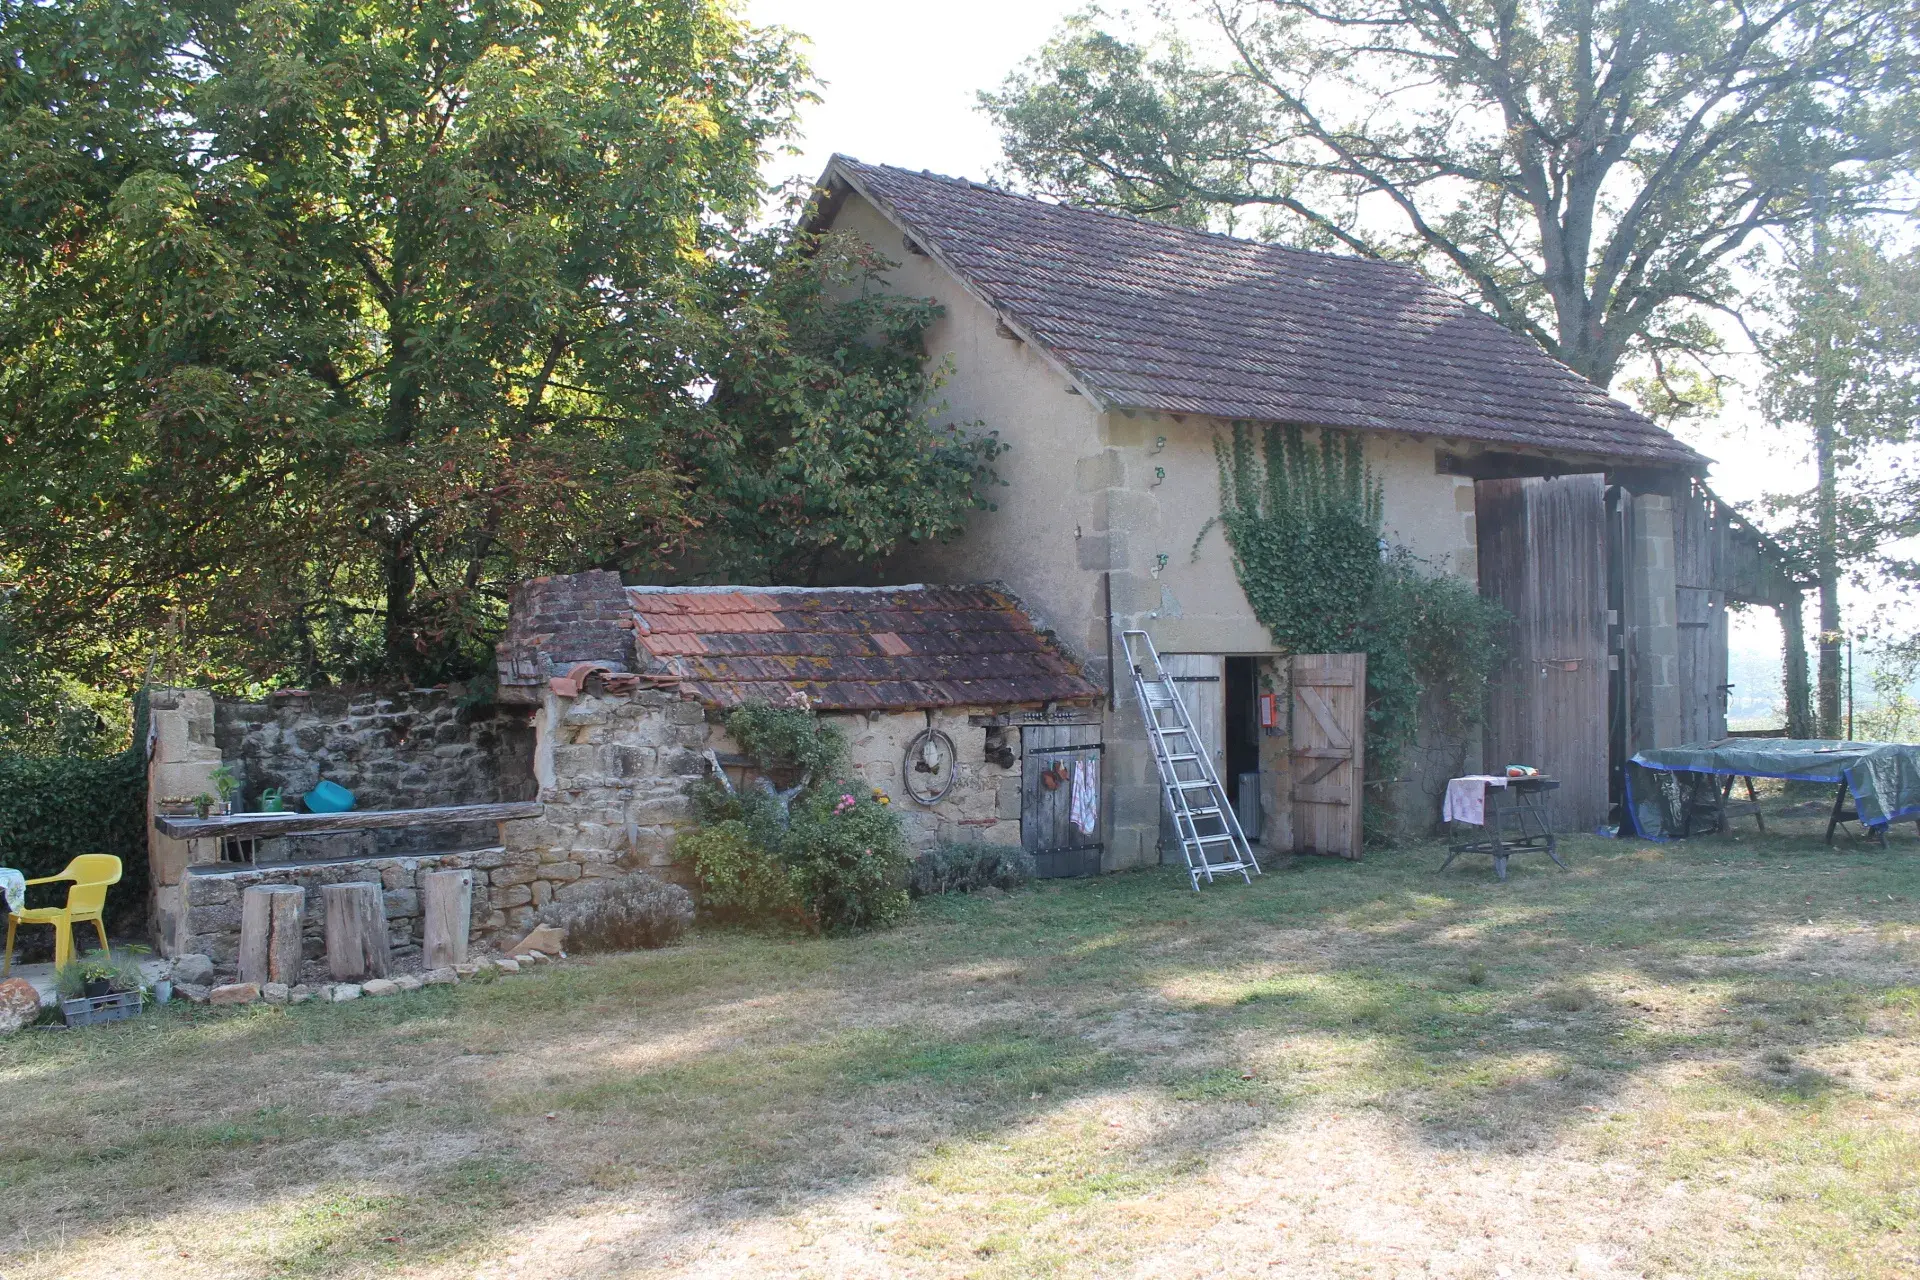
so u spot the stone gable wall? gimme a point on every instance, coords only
(394, 749)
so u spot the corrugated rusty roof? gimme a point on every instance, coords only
(1147, 316)
(846, 648)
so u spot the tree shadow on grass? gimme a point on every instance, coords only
(747, 1078)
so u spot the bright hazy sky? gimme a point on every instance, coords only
(901, 76)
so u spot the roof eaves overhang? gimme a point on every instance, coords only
(1480, 459)
(838, 179)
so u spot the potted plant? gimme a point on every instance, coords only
(97, 975)
(98, 987)
(227, 783)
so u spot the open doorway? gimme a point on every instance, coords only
(1241, 690)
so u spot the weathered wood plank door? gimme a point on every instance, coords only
(1049, 756)
(1200, 679)
(1543, 555)
(1702, 621)
(1329, 752)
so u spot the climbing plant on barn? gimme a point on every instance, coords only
(1303, 522)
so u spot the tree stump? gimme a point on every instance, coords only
(356, 930)
(447, 900)
(272, 917)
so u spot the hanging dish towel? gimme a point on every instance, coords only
(1086, 795)
(1467, 798)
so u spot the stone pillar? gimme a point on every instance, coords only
(1653, 624)
(182, 764)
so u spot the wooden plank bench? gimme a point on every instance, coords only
(306, 824)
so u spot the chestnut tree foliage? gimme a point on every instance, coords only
(323, 322)
(1588, 171)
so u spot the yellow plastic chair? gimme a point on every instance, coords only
(90, 873)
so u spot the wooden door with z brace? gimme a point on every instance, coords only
(1329, 751)
(1199, 679)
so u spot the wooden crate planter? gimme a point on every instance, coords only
(89, 1011)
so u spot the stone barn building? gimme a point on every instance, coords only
(1113, 353)
(952, 702)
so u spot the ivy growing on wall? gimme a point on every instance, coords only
(1304, 526)
(1303, 522)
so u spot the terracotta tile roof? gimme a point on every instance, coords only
(846, 648)
(1148, 316)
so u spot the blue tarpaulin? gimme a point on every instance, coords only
(1883, 777)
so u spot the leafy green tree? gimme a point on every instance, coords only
(1589, 172)
(48, 713)
(1844, 367)
(826, 446)
(321, 323)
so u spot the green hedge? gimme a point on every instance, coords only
(53, 807)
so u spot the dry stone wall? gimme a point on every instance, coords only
(394, 749)
(615, 771)
(213, 902)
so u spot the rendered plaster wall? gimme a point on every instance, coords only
(982, 806)
(1046, 540)
(1126, 497)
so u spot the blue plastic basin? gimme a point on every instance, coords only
(329, 797)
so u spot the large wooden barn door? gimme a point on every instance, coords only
(1543, 556)
(1329, 751)
(1050, 756)
(1702, 621)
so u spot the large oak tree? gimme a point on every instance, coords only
(1587, 170)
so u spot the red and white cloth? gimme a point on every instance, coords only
(1467, 798)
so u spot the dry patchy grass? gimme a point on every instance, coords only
(1700, 1063)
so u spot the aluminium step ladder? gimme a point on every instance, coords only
(1205, 823)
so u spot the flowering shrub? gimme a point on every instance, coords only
(848, 856)
(738, 878)
(835, 856)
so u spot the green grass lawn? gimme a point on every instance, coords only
(1697, 1059)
